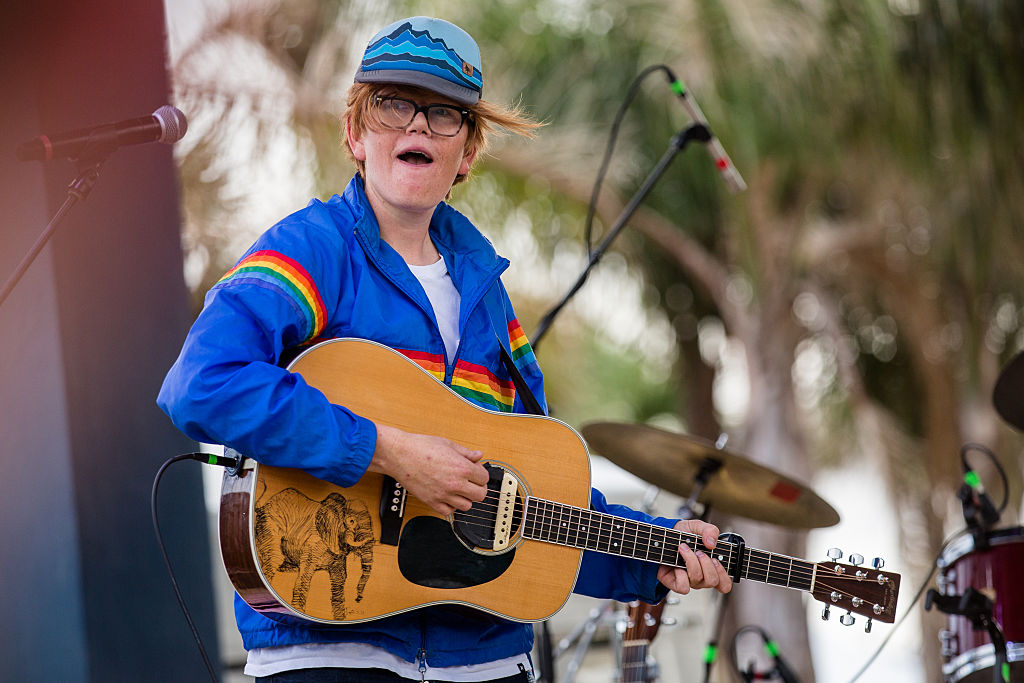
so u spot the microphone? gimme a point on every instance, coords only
(979, 511)
(167, 124)
(732, 177)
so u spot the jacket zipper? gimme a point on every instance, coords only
(449, 366)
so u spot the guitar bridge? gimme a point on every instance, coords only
(506, 507)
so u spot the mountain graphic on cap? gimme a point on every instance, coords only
(426, 52)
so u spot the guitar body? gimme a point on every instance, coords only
(293, 544)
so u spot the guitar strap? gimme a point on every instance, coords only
(493, 305)
(530, 403)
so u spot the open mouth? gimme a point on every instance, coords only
(415, 157)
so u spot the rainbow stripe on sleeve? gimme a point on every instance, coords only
(285, 275)
(480, 385)
(522, 352)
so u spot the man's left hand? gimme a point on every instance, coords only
(702, 570)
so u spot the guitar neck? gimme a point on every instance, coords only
(576, 527)
(634, 662)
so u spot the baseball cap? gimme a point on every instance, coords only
(430, 53)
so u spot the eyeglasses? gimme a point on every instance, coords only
(398, 112)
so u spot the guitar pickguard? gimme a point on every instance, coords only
(436, 553)
(430, 555)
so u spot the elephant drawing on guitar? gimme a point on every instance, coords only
(294, 532)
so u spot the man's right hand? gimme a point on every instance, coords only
(441, 473)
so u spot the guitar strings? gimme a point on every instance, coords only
(551, 520)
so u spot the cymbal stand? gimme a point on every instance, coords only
(584, 634)
(707, 469)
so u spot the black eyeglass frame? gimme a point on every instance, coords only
(466, 115)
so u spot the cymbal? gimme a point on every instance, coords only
(1007, 391)
(739, 487)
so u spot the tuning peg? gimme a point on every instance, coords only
(834, 554)
(867, 626)
(847, 619)
(877, 563)
(856, 559)
(669, 621)
(825, 613)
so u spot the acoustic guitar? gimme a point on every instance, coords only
(293, 544)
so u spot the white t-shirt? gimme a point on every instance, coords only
(445, 300)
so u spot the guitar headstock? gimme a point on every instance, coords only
(867, 591)
(643, 621)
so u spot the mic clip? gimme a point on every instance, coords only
(695, 132)
(979, 512)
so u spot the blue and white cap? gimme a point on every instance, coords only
(430, 53)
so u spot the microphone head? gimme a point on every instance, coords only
(173, 124)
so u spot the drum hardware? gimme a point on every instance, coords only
(949, 645)
(581, 636)
(977, 586)
(978, 608)
(980, 593)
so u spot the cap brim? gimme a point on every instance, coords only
(461, 94)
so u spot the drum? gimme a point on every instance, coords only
(994, 571)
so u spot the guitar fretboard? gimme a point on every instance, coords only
(567, 525)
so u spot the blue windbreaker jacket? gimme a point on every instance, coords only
(324, 272)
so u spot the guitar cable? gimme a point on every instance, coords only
(209, 459)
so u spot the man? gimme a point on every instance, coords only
(390, 261)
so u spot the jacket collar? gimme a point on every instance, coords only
(455, 236)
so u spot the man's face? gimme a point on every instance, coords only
(409, 169)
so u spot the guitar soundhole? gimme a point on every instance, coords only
(430, 555)
(476, 527)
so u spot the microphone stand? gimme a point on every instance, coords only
(696, 131)
(88, 163)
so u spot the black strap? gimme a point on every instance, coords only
(495, 311)
(525, 395)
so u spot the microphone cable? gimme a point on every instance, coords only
(209, 459)
(780, 670)
(972, 484)
(613, 135)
